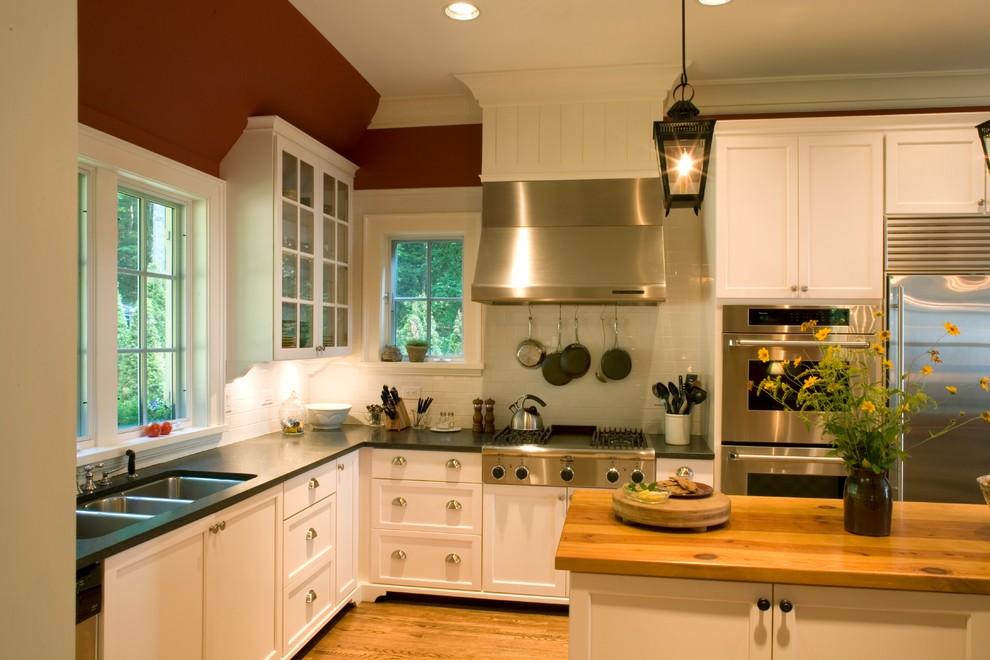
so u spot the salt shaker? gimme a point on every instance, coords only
(476, 419)
(489, 415)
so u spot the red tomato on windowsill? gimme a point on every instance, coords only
(154, 430)
(166, 428)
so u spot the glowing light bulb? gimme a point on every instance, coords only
(685, 164)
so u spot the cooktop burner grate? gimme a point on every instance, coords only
(615, 438)
(509, 437)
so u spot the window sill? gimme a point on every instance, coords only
(424, 368)
(179, 443)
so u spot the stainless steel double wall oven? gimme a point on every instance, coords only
(766, 449)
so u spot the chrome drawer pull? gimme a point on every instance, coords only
(453, 558)
(398, 554)
(454, 505)
(313, 483)
(311, 534)
(398, 460)
(311, 596)
(399, 501)
(454, 464)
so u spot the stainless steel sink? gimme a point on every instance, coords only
(147, 506)
(118, 510)
(184, 487)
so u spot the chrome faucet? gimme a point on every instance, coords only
(131, 469)
(90, 486)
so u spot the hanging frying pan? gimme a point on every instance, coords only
(552, 371)
(530, 353)
(575, 360)
(616, 362)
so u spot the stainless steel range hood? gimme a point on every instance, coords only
(574, 241)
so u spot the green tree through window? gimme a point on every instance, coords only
(428, 298)
(149, 310)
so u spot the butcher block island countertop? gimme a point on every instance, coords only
(932, 547)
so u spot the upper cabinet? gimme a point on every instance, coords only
(935, 172)
(288, 246)
(799, 217)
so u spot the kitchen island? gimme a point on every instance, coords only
(780, 579)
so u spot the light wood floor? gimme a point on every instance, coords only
(408, 627)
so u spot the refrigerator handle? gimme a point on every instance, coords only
(895, 317)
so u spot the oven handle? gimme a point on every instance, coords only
(798, 342)
(735, 456)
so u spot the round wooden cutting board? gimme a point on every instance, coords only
(696, 514)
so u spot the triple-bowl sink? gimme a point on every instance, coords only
(113, 511)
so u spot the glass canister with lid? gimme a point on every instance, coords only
(292, 415)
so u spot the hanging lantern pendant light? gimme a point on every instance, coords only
(984, 131)
(684, 144)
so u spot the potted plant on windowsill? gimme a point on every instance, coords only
(863, 417)
(416, 349)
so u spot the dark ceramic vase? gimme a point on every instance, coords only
(867, 503)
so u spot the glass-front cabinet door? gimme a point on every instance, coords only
(313, 209)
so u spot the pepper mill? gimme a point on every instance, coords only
(489, 415)
(476, 420)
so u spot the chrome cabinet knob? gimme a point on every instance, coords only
(454, 505)
(310, 596)
(454, 464)
(340, 467)
(399, 501)
(313, 483)
(311, 534)
(216, 528)
(398, 554)
(453, 558)
(398, 460)
(685, 471)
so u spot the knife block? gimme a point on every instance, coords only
(401, 420)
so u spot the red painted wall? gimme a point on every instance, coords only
(181, 77)
(422, 157)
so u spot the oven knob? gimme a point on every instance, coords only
(637, 476)
(612, 475)
(498, 472)
(522, 472)
(567, 473)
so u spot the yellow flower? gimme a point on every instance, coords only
(868, 406)
(951, 389)
(985, 383)
(951, 329)
(935, 356)
(876, 348)
(877, 313)
(985, 415)
(883, 335)
(763, 354)
(822, 334)
(808, 325)
(797, 362)
(926, 370)
(888, 365)
(810, 382)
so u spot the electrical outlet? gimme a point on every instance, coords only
(409, 392)
(227, 408)
(266, 397)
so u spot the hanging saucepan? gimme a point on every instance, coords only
(552, 372)
(576, 360)
(530, 353)
(616, 363)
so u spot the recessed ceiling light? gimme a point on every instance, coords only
(462, 11)
(714, 3)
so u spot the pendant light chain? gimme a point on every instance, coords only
(683, 47)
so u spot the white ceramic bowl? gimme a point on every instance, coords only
(984, 482)
(327, 415)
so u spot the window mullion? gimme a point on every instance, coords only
(103, 345)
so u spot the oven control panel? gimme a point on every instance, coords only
(600, 471)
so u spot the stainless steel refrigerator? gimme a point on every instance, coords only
(918, 305)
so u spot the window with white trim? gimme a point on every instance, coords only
(427, 295)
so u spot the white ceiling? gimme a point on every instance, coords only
(408, 48)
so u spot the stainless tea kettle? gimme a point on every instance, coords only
(526, 419)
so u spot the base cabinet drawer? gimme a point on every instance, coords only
(308, 538)
(424, 465)
(426, 560)
(305, 607)
(426, 506)
(309, 488)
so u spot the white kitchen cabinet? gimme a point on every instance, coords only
(346, 564)
(425, 520)
(206, 590)
(799, 217)
(935, 172)
(288, 246)
(612, 616)
(704, 470)
(521, 528)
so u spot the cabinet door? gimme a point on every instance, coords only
(153, 599)
(243, 585)
(840, 231)
(615, 616)
(847, 623)
(522, 525)
(940, 171)
(756, 210)
(347, 526)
